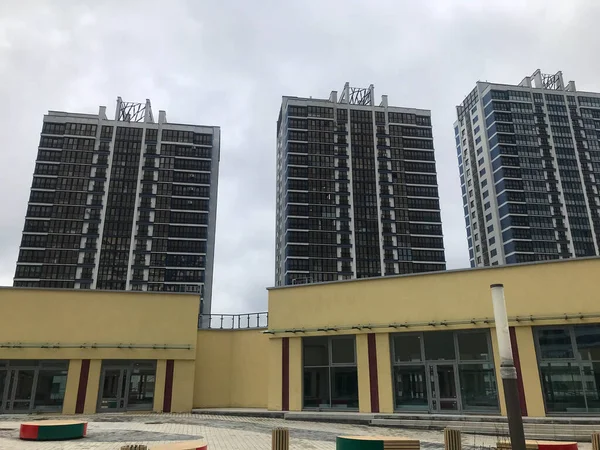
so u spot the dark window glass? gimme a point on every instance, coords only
(439, 345)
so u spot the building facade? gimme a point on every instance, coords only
(78, 351)
(357, 191)
(529, 162)
(123, 204)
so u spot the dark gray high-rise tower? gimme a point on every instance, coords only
(357, 191)
(529, 162)
(123, 204)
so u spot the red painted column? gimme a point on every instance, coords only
(517, 361)
(285, 374)
(373, 380)
(82, 388)
(168, 385)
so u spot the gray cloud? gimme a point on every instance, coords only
(229, 62)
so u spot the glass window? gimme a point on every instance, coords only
(342, 351)
(588, 342)
(410, 388)
(439, 345)
(452, 370)
(407, 347)
(563, 387)
(316, 351)
(316, 387)
(330, 373)
(478, 386)
(569, 361)
(555, 343)
(473, 346)
(50, 390)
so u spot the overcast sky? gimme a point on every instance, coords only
(228, 63)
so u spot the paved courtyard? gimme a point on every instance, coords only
(111, 431)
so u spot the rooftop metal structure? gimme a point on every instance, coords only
(357, 96)
(134, 112)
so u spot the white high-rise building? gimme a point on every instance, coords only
(529, 162)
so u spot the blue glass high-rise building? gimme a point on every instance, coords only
(529, 162)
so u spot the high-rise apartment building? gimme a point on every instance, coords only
(529, 161)
(357, 191)
(123, 204)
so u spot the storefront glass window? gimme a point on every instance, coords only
(32, 385)
(330, 375)
(569, 363)
(444, 371)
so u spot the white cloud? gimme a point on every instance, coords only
(228, 63)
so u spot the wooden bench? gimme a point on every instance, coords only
(53, 430)
(185, 445)
(540, 445)
(376, 443)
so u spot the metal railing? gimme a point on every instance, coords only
(233, 321)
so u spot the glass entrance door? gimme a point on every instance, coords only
(443, 386)
(126, 385)
(18, 389)
(112, 391)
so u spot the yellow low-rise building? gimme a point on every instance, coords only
(419, 343)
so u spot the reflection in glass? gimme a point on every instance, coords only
(588, 342)
(478, 386)
(342, 351)
(591, 377)
(50, 390)
(141, 390)
(3, 378)
(439, 345)
(473, 346)
(316, 387)
(555, 343)
(316, 351)
(410, 388)
(110, 389)
(407, 348)
(24, 384)
(563, 387)
(344, 387)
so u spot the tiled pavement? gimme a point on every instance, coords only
(111, 431)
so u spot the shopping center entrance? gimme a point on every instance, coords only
(127, 385)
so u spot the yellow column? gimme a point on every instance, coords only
(295, 371)
(72, 386)
(362, 362)
(91, 395)
(532, 385)
(183, 385)
(384, 373)
(274, 392)
(159, 385)
(497, 367)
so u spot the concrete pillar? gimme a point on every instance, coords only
(362, 365)
(384, 373)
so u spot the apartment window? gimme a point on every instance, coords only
(492, 240)
(330, 373)
(487, 205)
